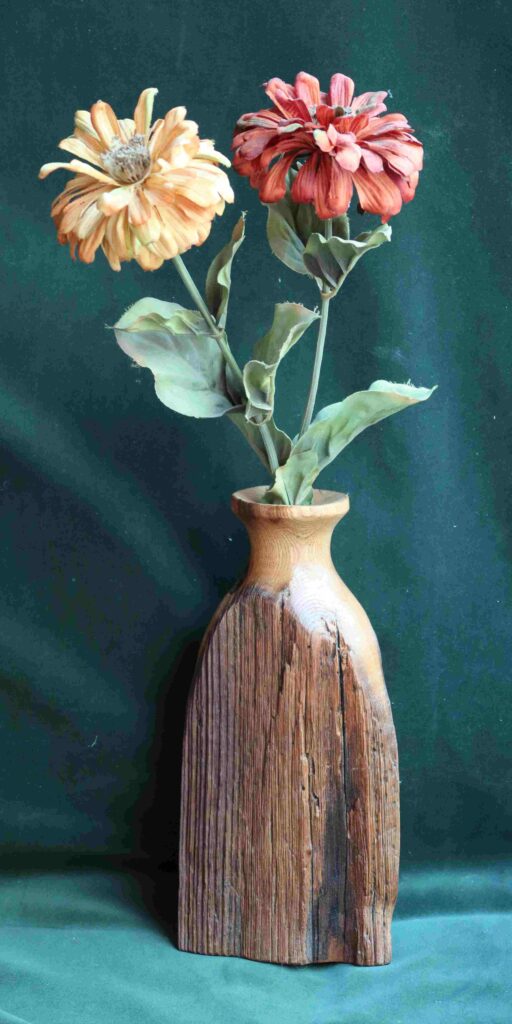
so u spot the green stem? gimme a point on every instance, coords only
(315, 378)
(218, 333)
(220, 337)
(270, 447)
(317, 366)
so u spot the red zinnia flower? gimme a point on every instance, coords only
(342, 141)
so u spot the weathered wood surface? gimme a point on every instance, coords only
(290, 821)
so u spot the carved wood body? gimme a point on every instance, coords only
(289, 840)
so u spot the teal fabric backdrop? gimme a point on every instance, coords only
(118, 541)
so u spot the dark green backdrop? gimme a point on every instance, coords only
(117, 538)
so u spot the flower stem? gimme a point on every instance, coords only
(220, 336)
(270, 447)
(317, 366)
(218, 333)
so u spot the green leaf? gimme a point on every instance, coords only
(290, 226)
(329, 260)
(296, 236)
(252, 433)
(337, 425)
(283, 236)
(290, 322)
(218, 279)
(174, 344)
(308, 221)
(293, 483)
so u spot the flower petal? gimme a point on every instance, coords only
(406, 154)
(77, 192)
(84, 129)
(166, 131)
(126, 127)
(89, 221)
(372, 161)
(377, 193)
(273, 186)
(139, 209)
(116, 200)
(111, 255)
(105, 122)
(340, 189)
(323, 140)
(261, 119)
(307, 88)
(321, 187)
(78, 167)
(207, 151)
(80, 148)
(118, 236)
(324, 115)
(144, 112)
(341, 91)
(149, 231)
(381, 125)
(88, 246)
(407, 186)
(372, 99)
(253, 143)
(349, 157)
(284, 97)
(147, 259)
(303, 188)
(68, 218)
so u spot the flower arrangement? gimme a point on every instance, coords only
(149, 190)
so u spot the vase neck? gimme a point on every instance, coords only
(287, 538)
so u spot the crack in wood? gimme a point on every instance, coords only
(344, 777)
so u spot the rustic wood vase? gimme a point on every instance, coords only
(289, 841)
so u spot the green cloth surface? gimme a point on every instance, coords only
(91, 946)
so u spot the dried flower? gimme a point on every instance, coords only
(338, 140)
(147, 192)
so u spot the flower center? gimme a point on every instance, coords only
(127, 162)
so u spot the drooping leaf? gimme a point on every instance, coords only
(185, 360)
(293, 483)
(329, 260)
(337, 425)
(283, 237)
(290, 226)
(154, 310)
(252, 433)
(218, 279)
(290, 322)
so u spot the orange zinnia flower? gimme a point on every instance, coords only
(148, 192)
(343, 142)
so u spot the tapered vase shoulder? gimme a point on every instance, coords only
(290, 825)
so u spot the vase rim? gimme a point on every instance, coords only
(330, 503)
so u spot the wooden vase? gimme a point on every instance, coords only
(289, 841)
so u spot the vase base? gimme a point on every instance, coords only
(350, 959)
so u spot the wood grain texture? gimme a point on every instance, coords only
(290, 822)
